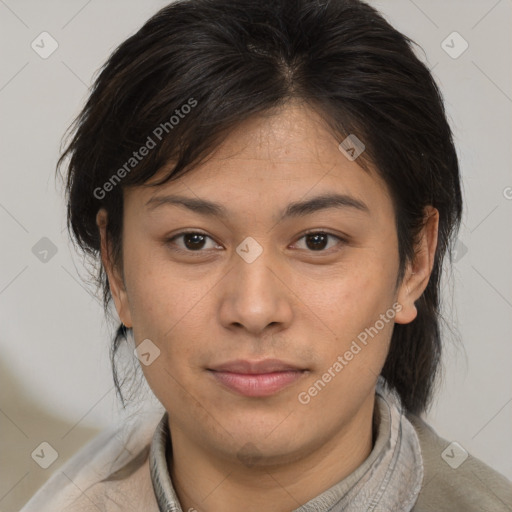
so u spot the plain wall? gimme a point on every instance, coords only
(56, 383)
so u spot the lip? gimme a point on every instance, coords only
(256, 367)
(257, 378)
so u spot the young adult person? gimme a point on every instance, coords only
(272, 187)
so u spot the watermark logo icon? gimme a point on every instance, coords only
(45, 455)
(44, 45)
(249, 455)
(454, 45)
(351, 147)
(146, 352)
(459, 251)
(44, 250)
(454, 455)
(249, 249)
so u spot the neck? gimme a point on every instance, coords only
(207, 481)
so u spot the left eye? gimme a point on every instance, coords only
(194, 241)
(317, 241)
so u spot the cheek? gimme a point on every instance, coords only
(351, 308)
(176, 314)
(356, 333)
(160, 298)
(349, 300)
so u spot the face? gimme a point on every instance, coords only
(272, 320)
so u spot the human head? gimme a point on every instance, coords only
(233, 61)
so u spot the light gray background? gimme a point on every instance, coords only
(56, 384)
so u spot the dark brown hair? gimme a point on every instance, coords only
(239, 58)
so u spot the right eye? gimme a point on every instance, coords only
(193, 241)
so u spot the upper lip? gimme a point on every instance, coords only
(256, 367)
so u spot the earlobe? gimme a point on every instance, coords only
(117, 286)
(408, 311)
(418, 272)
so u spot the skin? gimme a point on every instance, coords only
(294, 303)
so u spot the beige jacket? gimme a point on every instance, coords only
(113, 473)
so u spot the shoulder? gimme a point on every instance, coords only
(455, 480)
(110, 473)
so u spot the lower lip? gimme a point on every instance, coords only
(264, 384)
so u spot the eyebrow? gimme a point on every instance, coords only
(295, 209)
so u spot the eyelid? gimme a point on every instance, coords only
(169, 240)
(325, 231)
(343, 239)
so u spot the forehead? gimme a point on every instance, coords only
(274, 157)
(293, 132)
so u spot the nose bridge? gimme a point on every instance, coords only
(255, 296)
(255, 269)
(255, 274)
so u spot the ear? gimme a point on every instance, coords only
(418, 272)
(115, 279)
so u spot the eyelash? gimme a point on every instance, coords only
(170, 241)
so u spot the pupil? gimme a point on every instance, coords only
(316, 237)
(195, 236)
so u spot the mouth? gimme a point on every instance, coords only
(257, 378)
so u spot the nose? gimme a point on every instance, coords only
(255, 296)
